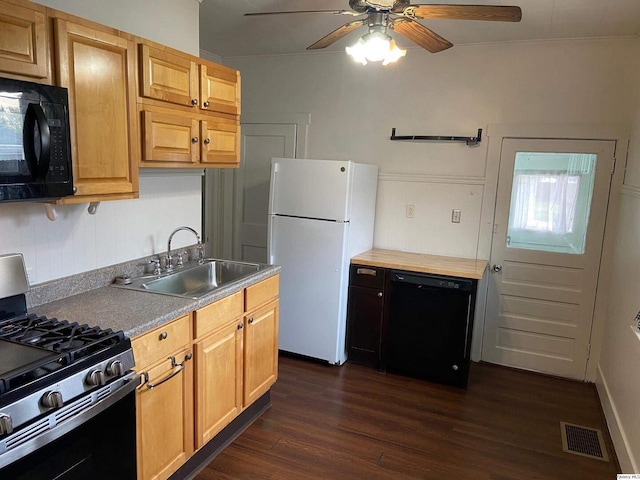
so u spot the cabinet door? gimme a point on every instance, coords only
(169, 138)
(23, 41)
(98, 68)
(168, 77)
(221, 141)
(218, 381)
(364, 325)
(260, 351)
(165, 419)
(220, 89)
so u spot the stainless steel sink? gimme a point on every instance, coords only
(197, 280)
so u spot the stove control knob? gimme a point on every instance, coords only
(96, 378)
(52, 400)
(6, 425)
(115, 368)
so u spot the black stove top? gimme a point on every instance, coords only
(36, 350)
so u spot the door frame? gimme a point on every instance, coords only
(495, 134)
(218, 185)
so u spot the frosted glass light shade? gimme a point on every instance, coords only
(375, 47)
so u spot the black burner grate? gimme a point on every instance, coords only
(69, 346)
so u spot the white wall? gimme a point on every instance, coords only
(455, 92)
(169, 22)
(126, 229)
(568, 83)
(619, 377)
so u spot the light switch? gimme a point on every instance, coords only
(455, 215)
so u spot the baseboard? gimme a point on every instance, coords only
(206, 454)
(618, 437)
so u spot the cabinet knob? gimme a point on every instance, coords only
(207, 141)
(194, 102)
(240, 326)
(380, 294)
(205, 104)
(251, 320)
(497, 268)
(194, 140)
(188, 357)
(163, 336)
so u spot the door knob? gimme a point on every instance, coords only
(497, 267)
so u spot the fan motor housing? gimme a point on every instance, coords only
(364, 6)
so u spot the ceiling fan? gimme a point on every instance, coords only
(401, 17)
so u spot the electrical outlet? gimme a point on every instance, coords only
(411, 210)
(455, 215)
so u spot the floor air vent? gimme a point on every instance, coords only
(584, 441)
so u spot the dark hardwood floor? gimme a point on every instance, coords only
(353, 422)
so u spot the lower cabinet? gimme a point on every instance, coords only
(187, 398)
(365, 313)
(218, 347)
(164, 402)
(236, 355)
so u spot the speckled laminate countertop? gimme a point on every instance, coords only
(422, 262)
(136, 312)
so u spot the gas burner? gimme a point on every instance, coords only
(60, 336)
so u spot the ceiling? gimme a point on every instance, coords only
(225, 32)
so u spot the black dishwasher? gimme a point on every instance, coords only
(428, 330)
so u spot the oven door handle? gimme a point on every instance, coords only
(62, 420)
(178, 367)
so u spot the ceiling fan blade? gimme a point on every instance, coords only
(494, 13)
(421, 35)
(336, 35)
(335, 12)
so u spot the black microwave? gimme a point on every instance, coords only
(35, 144)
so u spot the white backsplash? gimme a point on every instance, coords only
(120, 230)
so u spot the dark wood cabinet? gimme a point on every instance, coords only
(411, 323)
(365, 314)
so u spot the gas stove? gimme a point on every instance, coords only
(54, 374)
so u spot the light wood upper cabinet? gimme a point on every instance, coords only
(220, 88)
(177, 89)
(170, 138)
(98, 67)
(220, 141)
(168, 77)
(24, 51)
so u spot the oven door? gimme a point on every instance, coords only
(102, 447)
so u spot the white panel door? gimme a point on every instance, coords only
(311, 188)
(260, 142)
(312, 285)
(549, 222)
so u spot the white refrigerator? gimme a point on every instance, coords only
(321, 213)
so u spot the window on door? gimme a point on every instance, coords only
(550, 201)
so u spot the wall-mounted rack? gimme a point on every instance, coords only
(469, 140)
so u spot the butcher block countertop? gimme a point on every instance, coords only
(422, 262)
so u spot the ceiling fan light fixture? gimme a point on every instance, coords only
(375, 46)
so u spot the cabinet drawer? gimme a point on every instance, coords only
(216, 315)
(160, 342)
(366, 276)
(262, 292)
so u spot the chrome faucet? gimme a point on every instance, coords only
(169, 266)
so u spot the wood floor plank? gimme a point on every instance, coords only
(353, 422)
